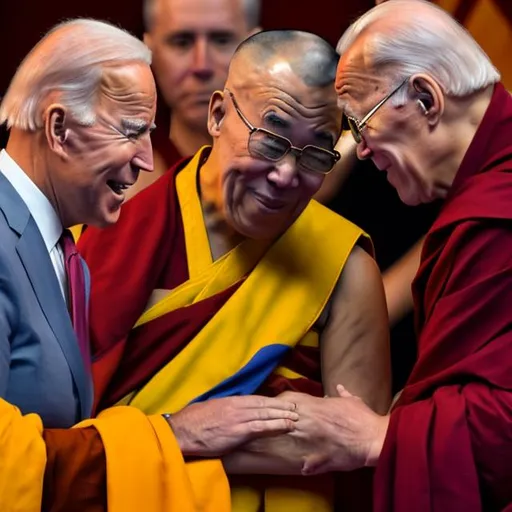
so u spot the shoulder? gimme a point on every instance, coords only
(359, 287)
(474, 250)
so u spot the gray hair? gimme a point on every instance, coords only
(252, 10)
(73, 67)
(426, 40)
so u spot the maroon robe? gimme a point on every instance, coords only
(449, 442)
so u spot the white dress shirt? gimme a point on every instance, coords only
(41, 210)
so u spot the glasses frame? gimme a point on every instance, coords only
(357, 127)
(335, 155)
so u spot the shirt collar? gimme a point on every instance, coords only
(37, 203)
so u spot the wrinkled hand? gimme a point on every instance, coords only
(339, 434)
(215, 427)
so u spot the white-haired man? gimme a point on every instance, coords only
(192, 43)
(426, 105)
(80, 109)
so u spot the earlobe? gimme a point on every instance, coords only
(216, 113)
(148, 40)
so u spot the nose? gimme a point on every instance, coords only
(201, 60)
(143, 158)
(284, 174)
(363, 151)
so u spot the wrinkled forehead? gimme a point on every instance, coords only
(277, 81)
(357, 83)
(131, 84)
(199, 15)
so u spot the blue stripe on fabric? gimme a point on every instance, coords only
(249, 378)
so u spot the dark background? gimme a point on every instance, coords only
(23, 22)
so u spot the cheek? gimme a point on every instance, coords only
(310, 183)
(169, 69)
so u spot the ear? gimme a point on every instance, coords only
(56, 130)
(429, 97)
(216, 113)
(148, 40)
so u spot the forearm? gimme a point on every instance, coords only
(75, 476)
(397, 283)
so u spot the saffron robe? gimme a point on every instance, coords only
(449, 442)
(139, 466)
(156, 366)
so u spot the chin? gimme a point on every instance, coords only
(103, 221)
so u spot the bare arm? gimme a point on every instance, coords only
(355, 351)
(397, 283)
(355, 342)
(335, 179)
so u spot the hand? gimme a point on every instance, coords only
(215, 427)
(341, 433)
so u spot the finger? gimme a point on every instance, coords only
(342, 392)
(272, 414)
(314, 465)
(266, 402)
(260, 428)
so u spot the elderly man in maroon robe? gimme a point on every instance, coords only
(426, 105)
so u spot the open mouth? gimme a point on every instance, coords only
(118, 187)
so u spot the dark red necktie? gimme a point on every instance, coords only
(77, 294)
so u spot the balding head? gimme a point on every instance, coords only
(251, 9)
(310, 57)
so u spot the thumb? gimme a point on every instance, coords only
(314, 465)
(342, 392)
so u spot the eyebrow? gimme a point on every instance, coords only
(345, 109)
(275, 121)
(137, 126)
(192, 34)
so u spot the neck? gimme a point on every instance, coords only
(25, 149)
(188, 138)
(464, 116)
(221, 235)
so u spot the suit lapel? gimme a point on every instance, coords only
(38, 266)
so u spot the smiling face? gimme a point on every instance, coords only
(397, 139)
(192, 43)
(96, 163)
(260, 198)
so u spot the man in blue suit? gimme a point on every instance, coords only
(80, 109)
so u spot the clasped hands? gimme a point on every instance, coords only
(297, 432)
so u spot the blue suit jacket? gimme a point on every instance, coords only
(41, 368)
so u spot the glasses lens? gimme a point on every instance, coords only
(266, 145)
(316, 159)
(354, 128)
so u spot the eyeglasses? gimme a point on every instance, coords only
(271, 146)
(356, 127)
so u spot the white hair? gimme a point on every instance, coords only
(70, 59)
(252, 11)
(422, 38)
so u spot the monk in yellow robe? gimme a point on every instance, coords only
(224, 277)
